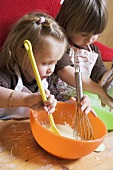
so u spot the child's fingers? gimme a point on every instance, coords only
(86, 100)
(88, 109)
(50, 105)
(73, 101)
(102, 104)
(85, 108)
(51, 99)
(49, 109)
(85, 104)
(47, 92)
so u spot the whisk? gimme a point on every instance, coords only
(82, 126)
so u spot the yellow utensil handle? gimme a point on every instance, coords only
(28, 47)
(29, 50)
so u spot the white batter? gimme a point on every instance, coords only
(65, 130)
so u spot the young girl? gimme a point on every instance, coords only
(83, 21)
(49, 44)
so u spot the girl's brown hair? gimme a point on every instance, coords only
(33, 27)
(89, 16)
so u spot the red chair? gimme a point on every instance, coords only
(106, 52)
(12, 10)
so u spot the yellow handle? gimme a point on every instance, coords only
(29, 50)
(28, 47)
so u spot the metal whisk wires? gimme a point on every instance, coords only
(82, 126)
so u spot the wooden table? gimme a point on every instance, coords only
(20, 151)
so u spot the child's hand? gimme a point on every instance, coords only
(106, 100)
(85, 104)
(51, 102)
(34, 101)
(108, 86)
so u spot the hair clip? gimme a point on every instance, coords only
(41, 20)
(45, 22)
(48, 23)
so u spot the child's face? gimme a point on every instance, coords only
(46, 58)
(82, 39)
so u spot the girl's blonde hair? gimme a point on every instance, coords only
(33, 27)
(89, 16)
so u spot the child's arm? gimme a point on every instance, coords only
(67, 75)
(11, 98)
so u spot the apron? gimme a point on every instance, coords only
(86, 61)
(19, 112)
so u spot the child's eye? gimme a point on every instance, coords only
(50, 63)
(84, 35)
(44, 64)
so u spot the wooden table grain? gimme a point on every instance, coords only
(20, 151)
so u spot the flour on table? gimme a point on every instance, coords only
(65, 130)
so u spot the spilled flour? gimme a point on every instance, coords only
(65, 130)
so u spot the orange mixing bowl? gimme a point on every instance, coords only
(60, 146)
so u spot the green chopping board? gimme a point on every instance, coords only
(102, 112)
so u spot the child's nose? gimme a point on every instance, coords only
(49, 71)
(90, 39)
